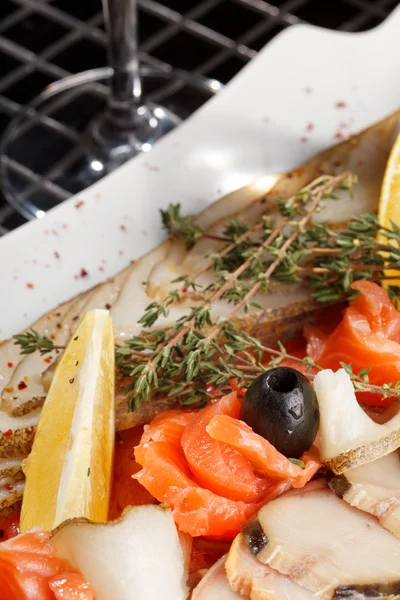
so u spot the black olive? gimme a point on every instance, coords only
(281, 405)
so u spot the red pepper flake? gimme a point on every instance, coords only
(10, 365)
(122, 227)
(47, 360)
(150, 167)
(29, 285)
(57, 254)
(82, 274)
(101, 268)
(22, 385)
(8, 487)
(79, 204)
(8, 433)
(184, 290)
(338, 135)
(309, 126)
(304, 139)
(298, 172)
(341, 104)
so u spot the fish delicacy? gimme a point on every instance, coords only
(26, 378)
(30, 569)
(255, 580)
(136, 557)
(374, 488)
(212, 487)
(214, 585)
(221, 418)
(126, 296)
(328, 555)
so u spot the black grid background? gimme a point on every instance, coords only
(44, 40)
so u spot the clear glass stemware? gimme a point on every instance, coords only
(45, 157)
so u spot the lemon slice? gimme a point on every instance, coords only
(68, 472)
(389, 201)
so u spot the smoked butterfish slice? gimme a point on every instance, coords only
(325, 545)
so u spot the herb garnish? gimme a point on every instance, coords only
(31, 340)
(199, 352)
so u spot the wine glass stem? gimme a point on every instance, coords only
(125, 88)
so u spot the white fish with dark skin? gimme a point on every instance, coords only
(323, 544)
(257, 581)
(373, 488)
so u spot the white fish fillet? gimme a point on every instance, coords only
(348, 437)
(10, 355)
(373, 488)
(17, 402)
(215, 585)
(321, 543)
(30, 369)
(257, 581)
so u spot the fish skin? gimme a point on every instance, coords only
(350, 548)
(374, 489)
(257, 581)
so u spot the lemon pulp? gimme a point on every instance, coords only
(68, 473)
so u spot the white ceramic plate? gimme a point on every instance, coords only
(306, 90)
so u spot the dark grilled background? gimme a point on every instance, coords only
(44, 40)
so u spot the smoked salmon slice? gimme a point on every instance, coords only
(263, 456)
(174, 460)
(167, 426)
(126, 491)
(29, 566)
(367, 336)
(217, 466)
(70, 586)
(196, 511)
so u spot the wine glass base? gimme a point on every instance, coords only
(64, 141)
(105, 147)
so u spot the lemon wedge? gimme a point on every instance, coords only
(389, 201)
(68, 473)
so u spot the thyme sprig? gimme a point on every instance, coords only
(179, 227)
(31, 340)
(199, 352)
